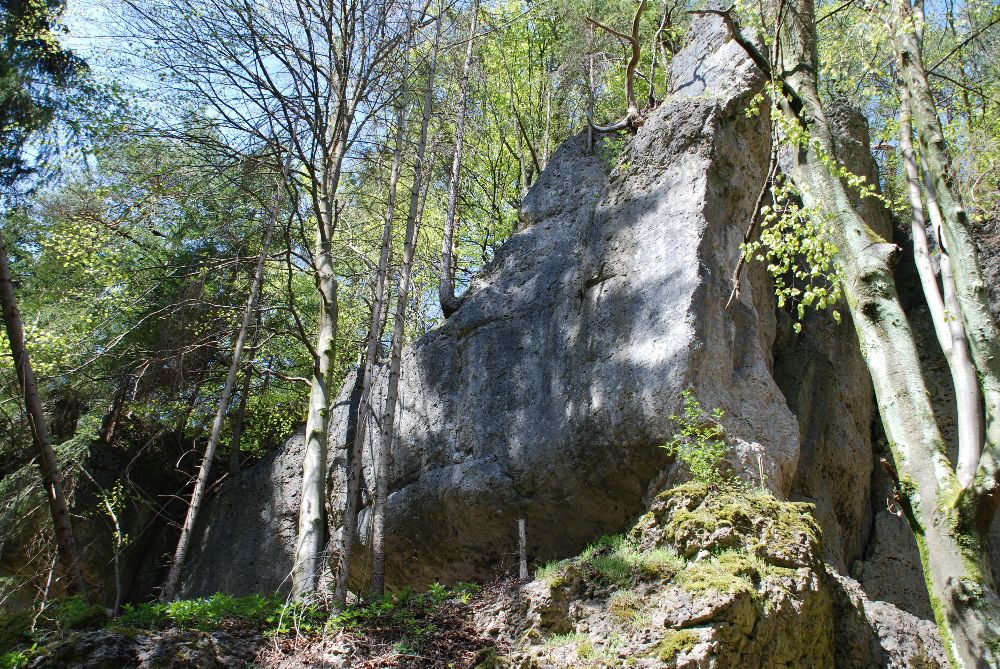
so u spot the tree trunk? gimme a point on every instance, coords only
(376, 325)
(312, 505)
(183, 543)
(945, 312)
(241, 410)
(955, 556)
(47, 464)
(396, 354)
(972, 297)
(446, 287)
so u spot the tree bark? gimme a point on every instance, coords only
(398, 328)
(446, 286)
(48, 466)
(376, 325)
(972, 297)
(945, 312)
(955, 557)
(312, 506)
(241, 410)
(183, 543)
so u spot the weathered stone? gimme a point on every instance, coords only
(245, 537)
(878, 634)
(729, 605)
(547, 395)
(168, 649)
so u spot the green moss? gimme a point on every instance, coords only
(674, 643)
(731, 571)
(568, 639)
(488, 658)
(693, 519)
(553, 573)
(624, 604)
(940, 617)
(612, 561)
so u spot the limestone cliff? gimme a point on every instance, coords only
(547, 395)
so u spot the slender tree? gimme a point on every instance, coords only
(446, 287)
(948, 524)
(69, 555)
(309, 72)
(399, 323)
(201, 483)
(375, 331)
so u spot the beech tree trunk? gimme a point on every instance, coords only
(184, 542)
(312, 506)
(983, 491)
(446, 286)
(48, 466)
(945, 311)
(398, 328)
(954, 554)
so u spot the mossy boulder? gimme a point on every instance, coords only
(696, 520)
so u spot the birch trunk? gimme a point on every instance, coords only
(312, 505)
(955, 557)
(446, 287)
(66, 545)
(184, 542)
(398, 326)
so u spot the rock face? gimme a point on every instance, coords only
(169, 649)
(547, 395)
(706, 579)
(245, 538)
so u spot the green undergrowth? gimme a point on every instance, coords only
(23, 634)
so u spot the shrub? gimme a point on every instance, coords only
(700, 442)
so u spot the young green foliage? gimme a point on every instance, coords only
(700, 442)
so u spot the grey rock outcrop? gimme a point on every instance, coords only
(548, 394)
(167, 649)
(244, 542)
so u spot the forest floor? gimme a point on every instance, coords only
(434, 630)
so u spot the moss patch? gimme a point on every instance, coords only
(674, 643)
(692, 518)
(613, 561)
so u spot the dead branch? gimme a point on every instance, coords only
(633, 119)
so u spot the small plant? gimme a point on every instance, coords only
(612, 150)
(700, 442)
(16, 659)
(624, 605)
(438, 593)
(570, 638)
